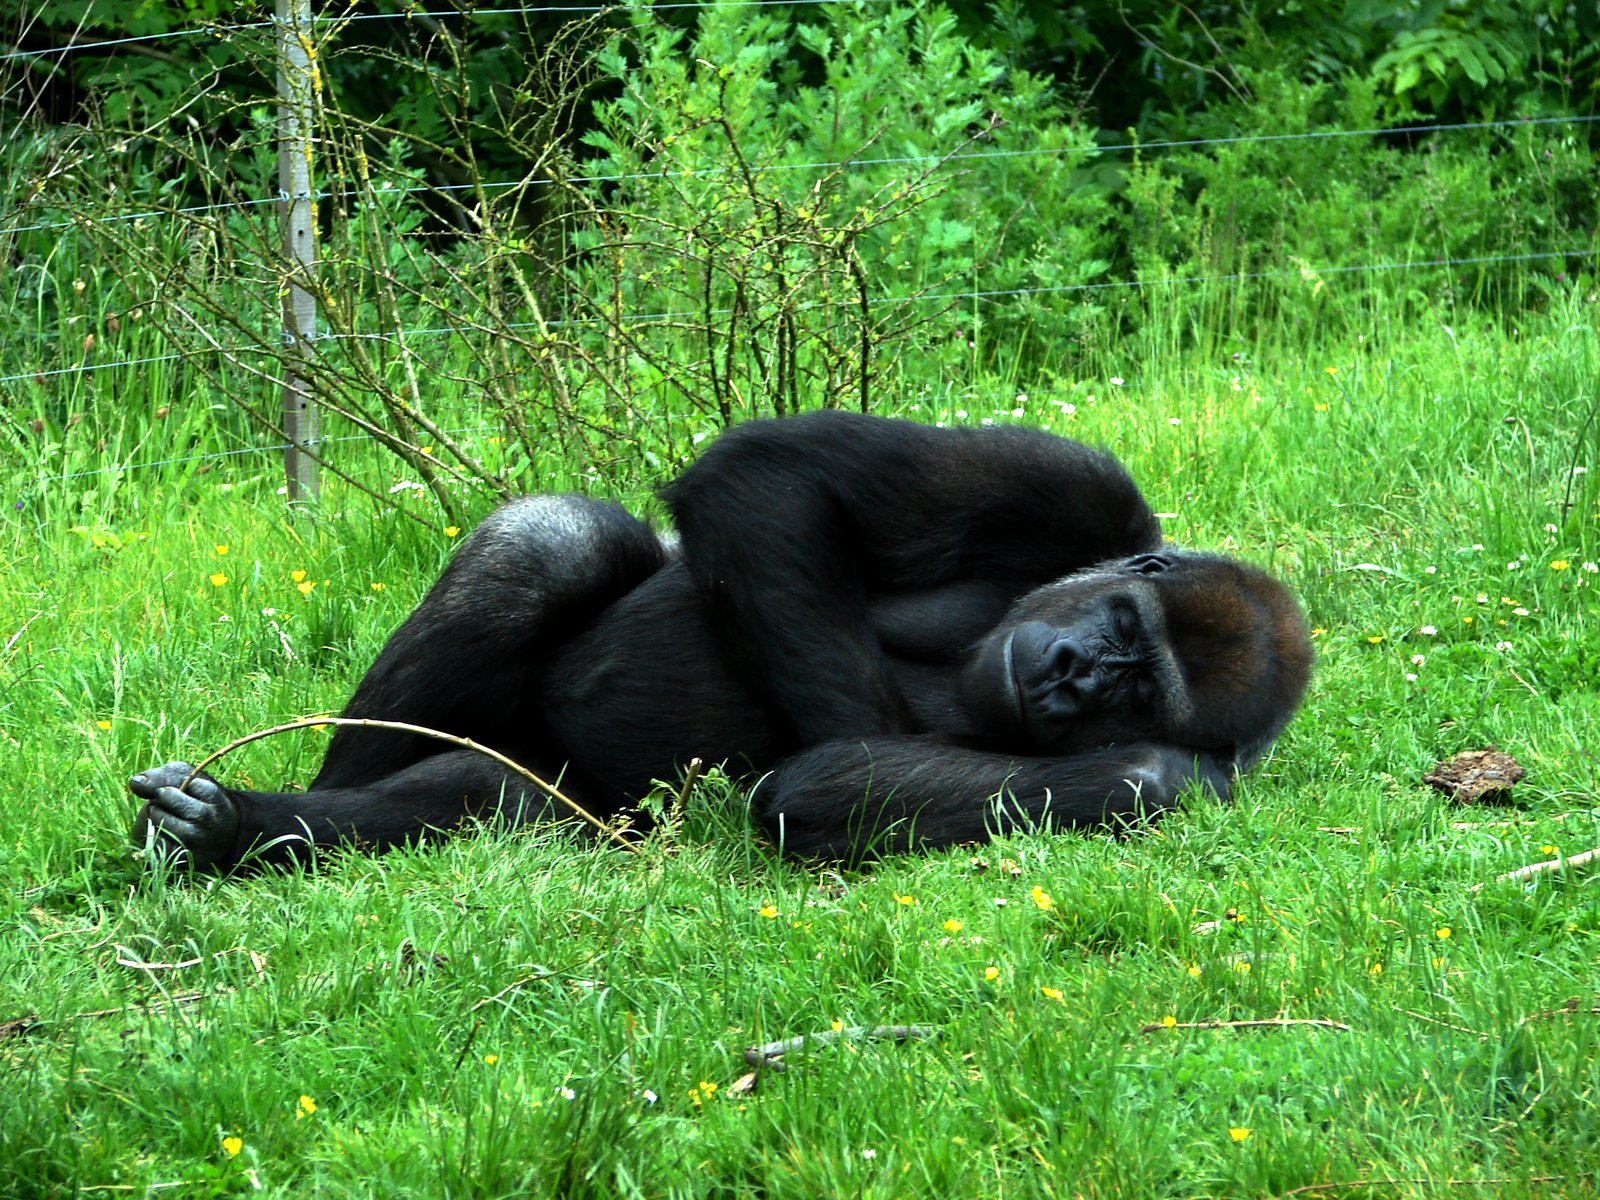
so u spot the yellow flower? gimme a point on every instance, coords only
(836, 1025)
(1169, 1021)
(1331, 370)
(1560, 564)
(221, 550)
(297, 576)
(304, 586)
(491, 1059)
(953, 926)
(306, 1107)
(899, 899)
(1318, 631)
(218, 579)
(1194, 970)
(1442, 933)
(1549, 850)
(702, 1092)
(104, 725)
(451, 530)
(1042, 898)
(1238, 1132)
(377, 587)
(990, 974)
(232, 1145)
(1375, 969)
(1052, 994)
(1375, 639)
(1242, 967)
(768, 911)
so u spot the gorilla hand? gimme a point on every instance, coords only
(198, 825)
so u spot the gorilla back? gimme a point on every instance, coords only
(921, 636)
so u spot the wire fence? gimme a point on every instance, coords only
(853, 163)
(952, 163)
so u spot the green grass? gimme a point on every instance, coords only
(527, 1014)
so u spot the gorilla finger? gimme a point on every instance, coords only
(174, 834)
(203, 812)
(147, 783)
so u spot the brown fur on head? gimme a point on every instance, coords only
(1241, 647)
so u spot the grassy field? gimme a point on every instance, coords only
(529, 1014)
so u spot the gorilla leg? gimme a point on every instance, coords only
(534, 572)
(855, 800)
(465, 662)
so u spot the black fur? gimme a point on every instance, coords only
(922, 636)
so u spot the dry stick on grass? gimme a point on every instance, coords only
(1572, 1008)
(548, 789)
(1513, 823)
(769, 1056)
(1540, 868)
(1337, 1185)
(691, 776)
(21, 1025)
(1273, 1023)
(178, 1000)
(125, 959)
(1477, 1033)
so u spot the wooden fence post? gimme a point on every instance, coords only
(298, 221)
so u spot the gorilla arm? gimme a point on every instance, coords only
(213, 828)
(792, 528)
(858, 800)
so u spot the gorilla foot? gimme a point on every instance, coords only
(197, 825)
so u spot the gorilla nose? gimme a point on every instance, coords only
(1068, 662)
(1072, 676)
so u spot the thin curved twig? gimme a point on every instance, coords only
(549, 789)
(1269, 1023)
(1573, 861)
(770, 1053)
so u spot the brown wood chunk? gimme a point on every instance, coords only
(1477, 776)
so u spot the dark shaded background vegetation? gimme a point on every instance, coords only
(618, 230)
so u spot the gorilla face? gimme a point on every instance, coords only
(1175, 646)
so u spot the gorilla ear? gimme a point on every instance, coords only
(1148, 564)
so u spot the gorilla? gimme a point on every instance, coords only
(916, 637)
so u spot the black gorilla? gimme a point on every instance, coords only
(921, 635)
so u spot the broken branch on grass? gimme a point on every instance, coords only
(1541, 868)
(1572, 1008)
(179, 1000)
(691, 776)
(1341, 1184)
(549, 789)
(1477, 1033)
(1271, 1023)
(770, 1054)
(472, 1036)
(125, 959)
